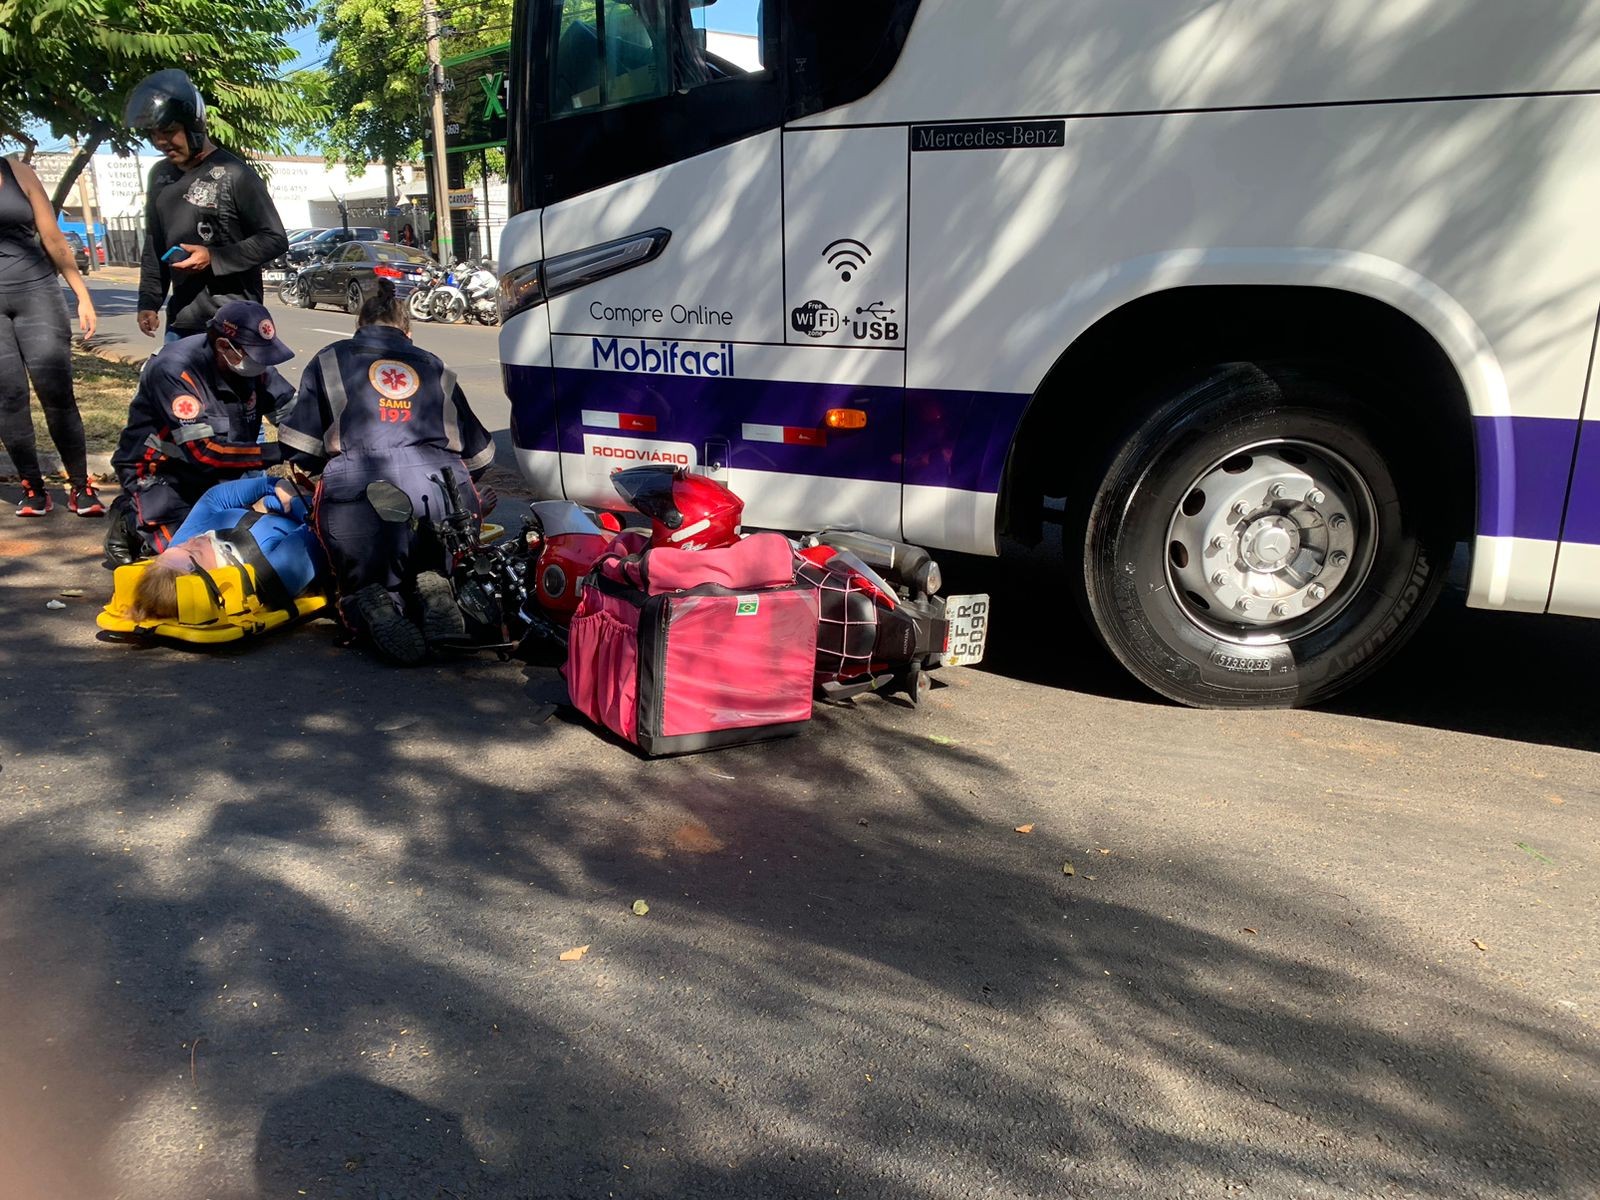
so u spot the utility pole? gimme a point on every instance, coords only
(441, 168)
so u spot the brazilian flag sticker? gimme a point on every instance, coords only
(748, 606)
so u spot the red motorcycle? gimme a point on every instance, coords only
(882, 626)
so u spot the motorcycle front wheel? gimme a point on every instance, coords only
(448, 309)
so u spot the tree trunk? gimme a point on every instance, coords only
(76, 164)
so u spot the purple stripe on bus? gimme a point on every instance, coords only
(951, 439)
(1523, 471)
(960, 439)
(1583, 508)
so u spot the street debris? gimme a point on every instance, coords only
(574, 954)
(395, 723)
(1478, 942)
(70, 593)
(640, 908)
(1066, 869)
(1532, 853)
(1250, 931)
(1028, 828)
(54, 604)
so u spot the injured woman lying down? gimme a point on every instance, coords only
(255, 521)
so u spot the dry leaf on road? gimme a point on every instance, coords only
(640, 908)
(574, 954)
(1028, 828)
(1066, 869)
(1479, 944)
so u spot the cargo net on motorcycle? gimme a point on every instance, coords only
(847, 620)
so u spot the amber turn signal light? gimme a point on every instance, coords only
(846, 418)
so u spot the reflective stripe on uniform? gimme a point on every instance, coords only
(481, 459)
(452, 421)
(167, 448)
(338, 401)
(304, 442)
(190, 433)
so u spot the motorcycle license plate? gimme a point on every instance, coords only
(969, 629)
(274, 276)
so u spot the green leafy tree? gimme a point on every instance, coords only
(376, 76)
(70, 64)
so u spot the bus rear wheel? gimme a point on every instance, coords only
(1263, 540)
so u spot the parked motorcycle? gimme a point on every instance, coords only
(481, 288)
(448, 305)
(420, 302)
(292, 292)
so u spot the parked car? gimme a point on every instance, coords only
(350, 275)
(80, 252)
(319, 245)
(296, 236)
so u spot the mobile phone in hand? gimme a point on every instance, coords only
(174, 254)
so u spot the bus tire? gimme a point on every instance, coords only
(1262, 540)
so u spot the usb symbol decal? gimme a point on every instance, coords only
(846, 256)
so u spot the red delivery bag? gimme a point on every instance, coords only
(682, 650)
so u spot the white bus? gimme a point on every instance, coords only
(1271, 303)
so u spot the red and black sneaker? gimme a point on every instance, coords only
(85, 501)
(35, 501)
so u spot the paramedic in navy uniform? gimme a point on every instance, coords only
(194, 422)
(377, 407)
(203, 203)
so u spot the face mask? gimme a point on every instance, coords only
(237, 361)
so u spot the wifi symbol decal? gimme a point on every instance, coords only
(846, 256)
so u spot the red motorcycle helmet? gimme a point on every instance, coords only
(688, 511)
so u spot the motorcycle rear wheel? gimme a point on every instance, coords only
(420, 305)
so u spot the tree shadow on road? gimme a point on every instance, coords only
(307, 933)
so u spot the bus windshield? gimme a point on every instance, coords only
(614, 52)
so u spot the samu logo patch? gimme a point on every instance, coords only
(393, 380)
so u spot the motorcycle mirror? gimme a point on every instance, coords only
(389, 502)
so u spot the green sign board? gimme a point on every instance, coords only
(477, 99)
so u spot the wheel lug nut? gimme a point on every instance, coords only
(1220, 579)
(1219, 543)
(1278, 491)
(1280, 609)
(1243, 604)
(1317, 592)
(1240, 511)
(1338, 558)
(1338, 521)
(1315, 496)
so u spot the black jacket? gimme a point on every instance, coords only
(220, 204)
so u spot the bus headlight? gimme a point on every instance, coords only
(521, 289)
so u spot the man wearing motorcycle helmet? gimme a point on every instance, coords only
(690, 512)
(210, 225)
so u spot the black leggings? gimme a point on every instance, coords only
(34, 334)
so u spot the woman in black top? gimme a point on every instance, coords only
(36, 342)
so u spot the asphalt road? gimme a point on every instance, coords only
(285, 922)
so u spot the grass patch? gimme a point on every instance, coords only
(103, 390)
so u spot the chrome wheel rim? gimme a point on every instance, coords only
(1271, 542)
